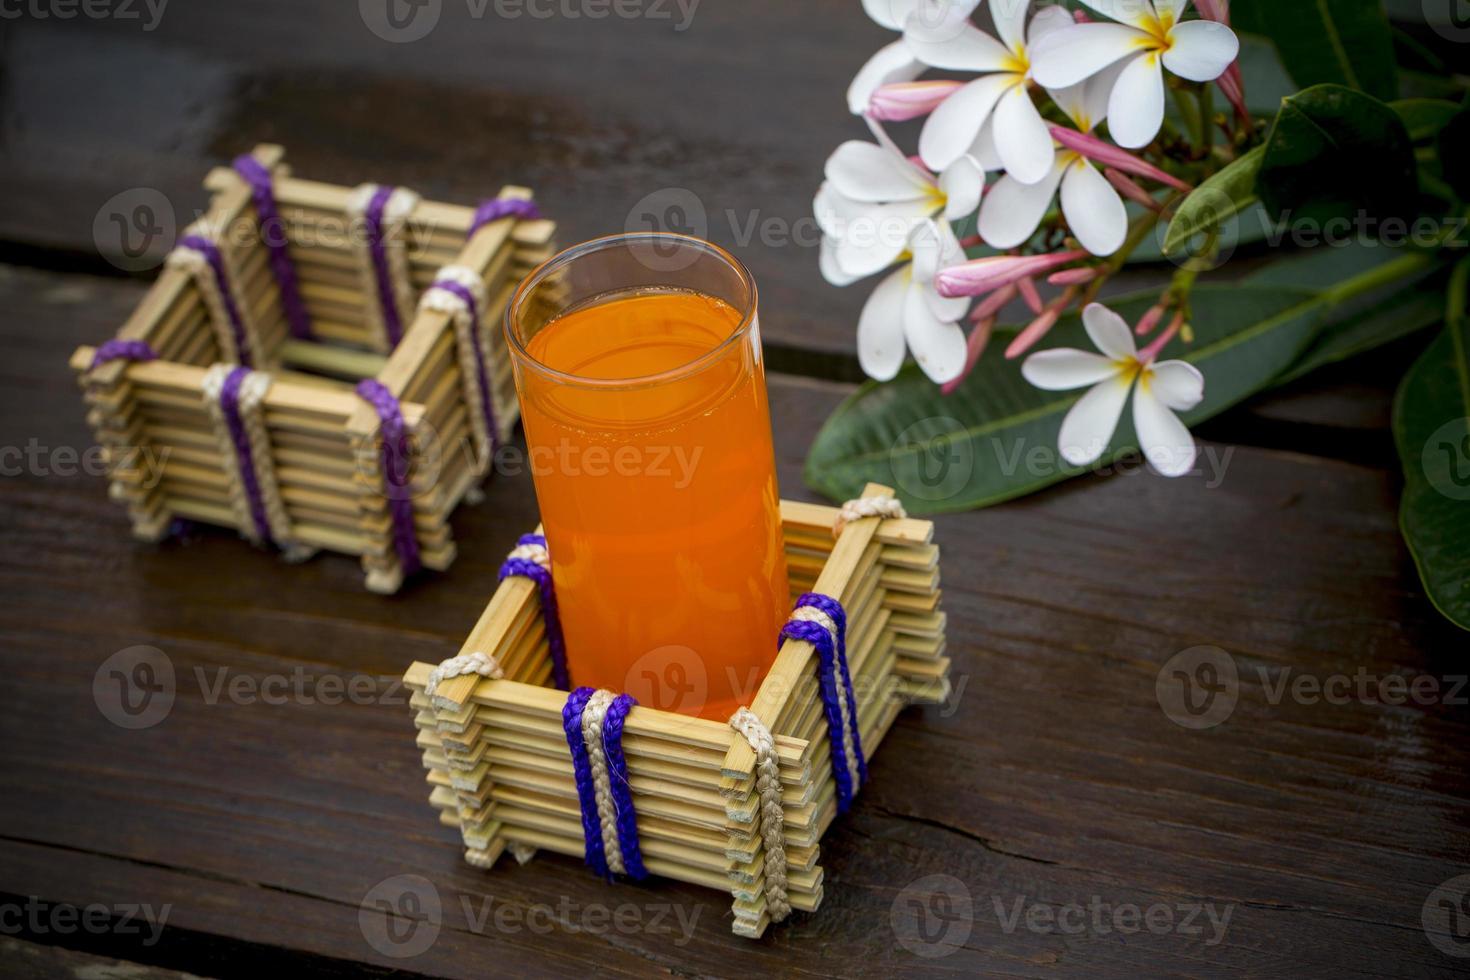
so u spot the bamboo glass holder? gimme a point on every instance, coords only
(500, 773)
(322, 436)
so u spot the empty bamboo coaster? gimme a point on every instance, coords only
(492, 729)
(379, 382)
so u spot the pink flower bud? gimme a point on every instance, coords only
(909, 100)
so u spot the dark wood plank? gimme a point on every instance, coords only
(29, 961)
(1054, 780)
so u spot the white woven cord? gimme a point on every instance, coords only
(856, 510)
(607, 811)
(465, 663)
(532, 552)
(444, 301)
(772, 813)
(400, 205)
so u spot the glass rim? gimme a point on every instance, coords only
(594, 245)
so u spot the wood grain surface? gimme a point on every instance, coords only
(1053, 820)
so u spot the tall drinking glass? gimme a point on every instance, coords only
(638, 363)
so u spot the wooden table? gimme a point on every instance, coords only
(1078, 830)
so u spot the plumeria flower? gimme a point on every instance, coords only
(1146, 37)
(1091, 204)
(895, 62)
(875, 197)
(999, 101)
(907, 312)
(1162, 389)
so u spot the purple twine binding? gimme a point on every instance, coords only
(571, 719)
(229, 403)
(502, 207)
(211, 253)
(122, 350)
(393, 459)
(832, 670)
(273, 233)
(487, 406)
(373, 220)
(549, 615)
(617, 769)
(838, 615)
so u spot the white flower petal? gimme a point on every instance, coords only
(1169, 11)
(892, 63)
(1201, 50)
(951, 129)
(1021, 137)
(1010, 22)
(890, 13)
(827, 262)
(955, 44)
(935, 247)
(1139, 13)
(983, 149)
(962, 183)
(1166, 443)
(880, 327)
(937, 344)
(1093, 209)
(1065, 368)
(835, 211)
(1090, 424)
(1178, 384)
(864, 171)
(1136, 107)
(875, 239)
(1046, 21)
(1069, 56)
(1109, 332)
(1011, 210)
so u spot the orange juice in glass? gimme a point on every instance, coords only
(638, 364)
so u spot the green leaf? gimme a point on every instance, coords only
(1334, 153)
(1432, 431)
(1424, 117)
(1347, 42)
(995, 437)
(1393, 318)
(1220, 198)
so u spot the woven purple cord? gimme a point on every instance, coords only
(273, 233)
(211, 253)
(373, 220)
(571, 720)
(832, 671)
(122, 350)
(502, 207)
(393, 459)
(838, 615)
(229, 403)
(487, 407)
(617, 769)
(549, 614)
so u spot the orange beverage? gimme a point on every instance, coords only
(644, 403)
